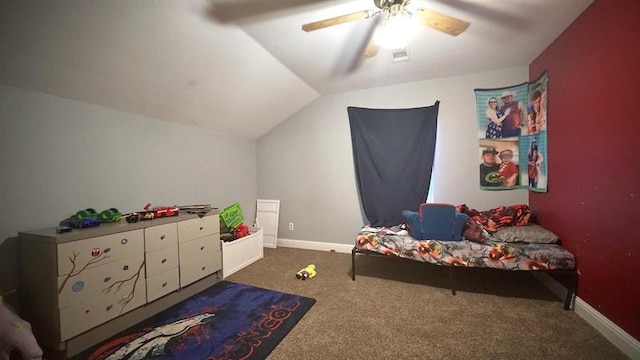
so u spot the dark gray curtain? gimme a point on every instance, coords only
(393, 153)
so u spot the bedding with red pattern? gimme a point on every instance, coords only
(499, 218)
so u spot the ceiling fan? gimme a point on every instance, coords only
(393, 19)
(360, 44)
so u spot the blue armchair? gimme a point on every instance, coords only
(436, 222)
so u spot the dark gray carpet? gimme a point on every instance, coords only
(404, 310)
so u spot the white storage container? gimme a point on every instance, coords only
(242, 252)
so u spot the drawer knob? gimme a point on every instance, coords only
(164, 261)
(109, 307)
(95, 251)
(124, 241)
(201, 227)
(162, 237)
(125, 268)
(202, 247)
(164, 284)
(107, 279)
(87, 311)
(204, 267)
(78, 286)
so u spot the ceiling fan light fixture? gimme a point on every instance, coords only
(397, 29)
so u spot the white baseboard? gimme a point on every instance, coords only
(618, 337)
(315, 245)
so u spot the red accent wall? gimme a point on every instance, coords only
(593, 198)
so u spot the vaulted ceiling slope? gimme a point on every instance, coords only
(502, 34)
(162, 58)
(174, 61)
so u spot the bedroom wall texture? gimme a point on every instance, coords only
(594, 85)
(59, 156)
(307, 161)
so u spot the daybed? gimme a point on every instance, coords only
(506, 249)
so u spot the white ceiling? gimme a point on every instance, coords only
(172, 60)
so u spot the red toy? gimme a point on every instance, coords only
(240, 231)
(163, 211)
(152, 213)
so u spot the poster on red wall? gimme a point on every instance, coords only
(512, 134)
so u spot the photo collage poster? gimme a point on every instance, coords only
(512, 133)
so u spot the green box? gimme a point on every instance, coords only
(232, 215)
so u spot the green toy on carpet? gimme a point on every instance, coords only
(308, 272)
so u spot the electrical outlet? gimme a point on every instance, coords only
(290, 226)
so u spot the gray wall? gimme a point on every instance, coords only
(307, 162)
(58, 156)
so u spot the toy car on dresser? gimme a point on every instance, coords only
(150, 214)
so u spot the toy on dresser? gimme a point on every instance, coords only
(15, 333)
(89, 218)
(150, 213)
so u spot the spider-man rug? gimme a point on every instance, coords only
(226, 321)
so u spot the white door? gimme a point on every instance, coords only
(267, 214)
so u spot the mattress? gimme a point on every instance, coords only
(396, 241)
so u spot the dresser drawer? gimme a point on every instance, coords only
(92, 312)
(92, 282)
(92, 252)
(158, 237)
(198, 227)
(161, 284)
(194, 249)
(199, 268)
(161, 260)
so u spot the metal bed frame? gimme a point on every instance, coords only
(568, 278)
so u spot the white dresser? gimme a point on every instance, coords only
(161, 260)
(199, 245)
(98, 279)
(79, 288)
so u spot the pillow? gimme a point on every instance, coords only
(472, 231)
(413, 220)
(438, 223)
(531, 233)
(458, 224)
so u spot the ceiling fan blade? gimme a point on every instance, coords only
(371, 50)
(441, 22)
(337, 20)
(230, 10)
(355, 48)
